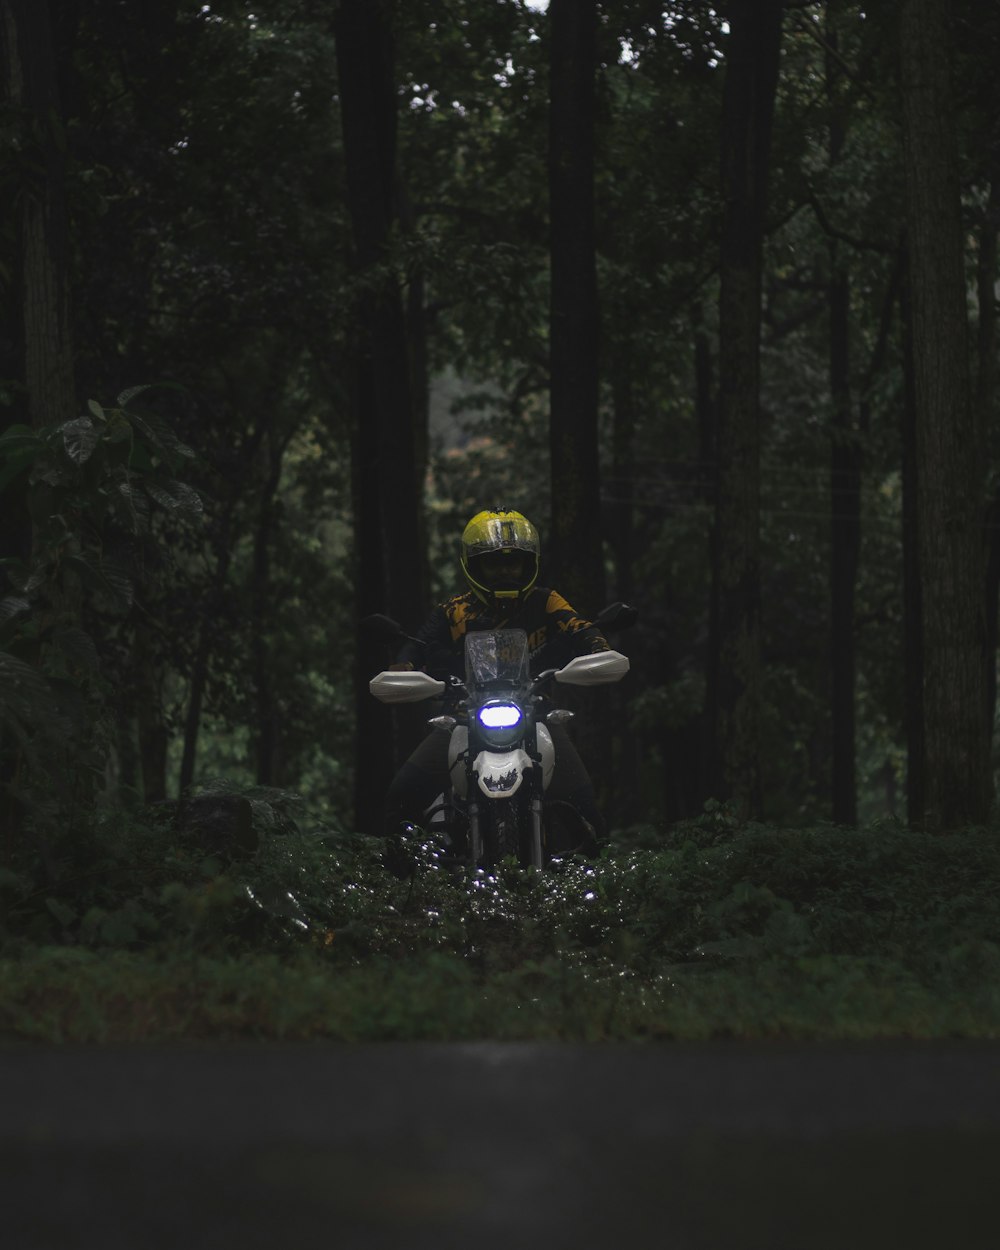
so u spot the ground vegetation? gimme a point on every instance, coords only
(162, 931)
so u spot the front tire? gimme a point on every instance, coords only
(505, 830)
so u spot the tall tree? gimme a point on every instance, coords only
(957, 779)
(576, 538)
(913, 591)
(845, 486)
(266, 688)
(390, 561)
(46, 339)
(39, 342)
(752, 59)
(986, 398)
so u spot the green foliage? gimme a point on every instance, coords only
(212, 245)
(87, 494)
(712, 930)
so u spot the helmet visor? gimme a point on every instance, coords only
(508, 570)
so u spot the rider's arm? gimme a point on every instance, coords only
(434, 634)
(564, 624)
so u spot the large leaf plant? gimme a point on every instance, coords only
(80, 496)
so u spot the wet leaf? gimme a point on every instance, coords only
(11, 606)
(34, 582)
(109, 578)
(119, 430)
(78, 646)
(51, 476)
(131, 392)
(176, 496)
(156, 432)
(137, 500)
(80, 437)
(26, 698)
(16, 460)
(18, 436)
(120, 582)
(72, 704)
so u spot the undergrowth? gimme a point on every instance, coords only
(704, 930)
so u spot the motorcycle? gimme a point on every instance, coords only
(501, 753)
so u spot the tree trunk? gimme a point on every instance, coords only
(949, 449)
(575, 543)
(876, 364)
(221, 543)
(845, 544)
(417, 320)
(46, 340)
(752, 57)
(150, 722)
(373, 762)
(913, 621)
(38, 348)
(705, 410)
(203, 652)
(986, 398)
(196, 699)
(387, 494)
(621, 530)
(621, 514)
(268, 716)
(845, 497)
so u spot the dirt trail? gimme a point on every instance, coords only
(500, 1145)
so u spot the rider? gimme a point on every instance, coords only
(500, 561)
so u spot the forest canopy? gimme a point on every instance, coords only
(292, 289)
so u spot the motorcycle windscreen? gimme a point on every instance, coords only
(500, 655)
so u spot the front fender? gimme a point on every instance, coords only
(500, 774)
(500, 761)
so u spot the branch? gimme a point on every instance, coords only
(885, 325)
(864, 245)
(809, 28)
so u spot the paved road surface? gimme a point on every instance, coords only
(483, 1146)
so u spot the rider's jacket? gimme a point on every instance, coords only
(555, 632)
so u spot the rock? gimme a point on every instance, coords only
(221, 824)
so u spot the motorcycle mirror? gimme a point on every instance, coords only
(617, 616)
(382, 627)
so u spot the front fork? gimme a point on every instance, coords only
(535, 837)
(537, 853)
(475, 834)
(535, 832)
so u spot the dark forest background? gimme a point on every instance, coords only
(290, 289)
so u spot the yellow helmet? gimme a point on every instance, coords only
(500, 556)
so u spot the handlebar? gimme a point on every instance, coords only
(543, 679)
(457, 691)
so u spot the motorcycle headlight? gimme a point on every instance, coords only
(501, 723)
